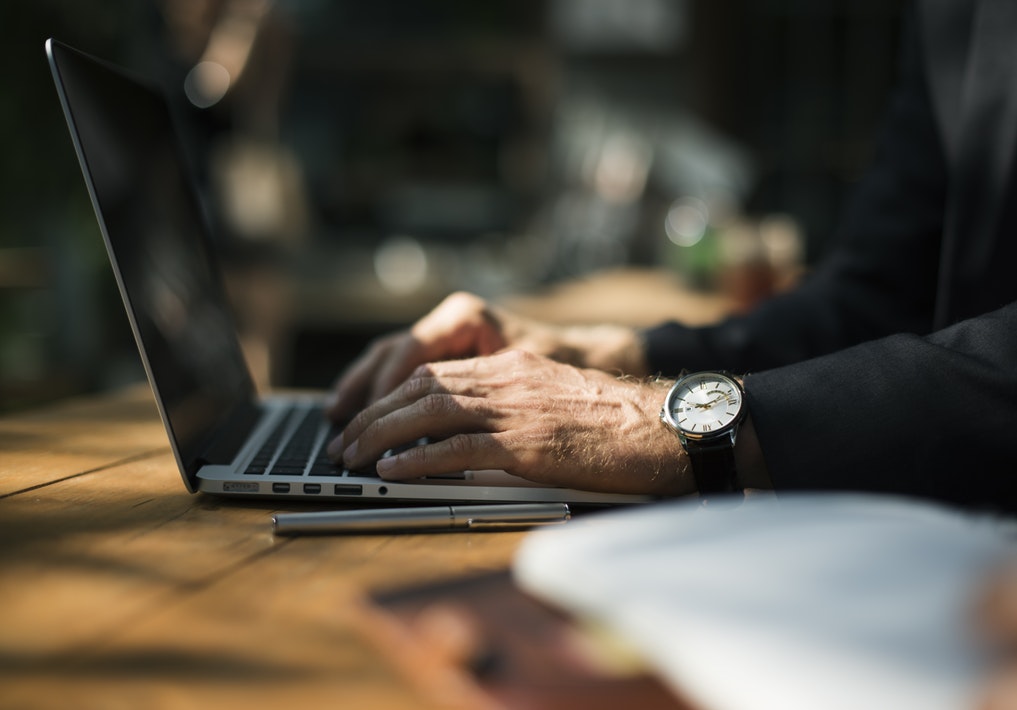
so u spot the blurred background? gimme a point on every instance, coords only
(360, 160)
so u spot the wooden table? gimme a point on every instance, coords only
(118, 589)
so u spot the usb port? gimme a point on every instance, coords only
(312, 488)
(348, 489)
(280, 488)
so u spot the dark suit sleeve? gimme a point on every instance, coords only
(931, 416)
(881, 277)
(853, 391)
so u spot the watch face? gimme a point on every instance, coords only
(705, 403)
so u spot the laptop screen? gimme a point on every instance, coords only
(159, 248)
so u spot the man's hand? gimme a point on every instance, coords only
(526, 414)
(465, 326)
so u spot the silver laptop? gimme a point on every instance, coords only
(226, 439)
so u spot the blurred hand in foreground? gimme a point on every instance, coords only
(998, 621)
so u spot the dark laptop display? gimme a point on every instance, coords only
(151, 221)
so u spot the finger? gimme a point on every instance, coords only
(463, 325)
(434, 416)
(410, 391)
(352, 387)
(492, 378)
(517, 364)
(404, 357)
(460, 326)
(422, 383)
(457, 453)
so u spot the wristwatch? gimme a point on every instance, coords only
(704, 409)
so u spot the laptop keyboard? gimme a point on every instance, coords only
(296, 447)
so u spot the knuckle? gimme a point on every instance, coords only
(518, 357)
(428, 458)
(356, 425)
(461, 446)
(420, 372)
(436, 405)
(466, 308)
(426, 387)
(367, 434)
(463, 300)
(456, 452)
(368, 424)
(417, 386)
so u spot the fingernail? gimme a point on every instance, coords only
(385, 465)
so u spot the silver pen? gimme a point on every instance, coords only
(445, 517)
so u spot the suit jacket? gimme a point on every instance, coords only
(894, 366)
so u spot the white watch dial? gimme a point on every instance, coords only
(705, 403)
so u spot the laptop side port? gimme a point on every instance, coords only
(240, 487)
(314, 488)
(280, 488)
(348, 489)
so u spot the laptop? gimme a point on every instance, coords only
(227, 440)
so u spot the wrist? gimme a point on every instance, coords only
(663, 455)
(708, 413)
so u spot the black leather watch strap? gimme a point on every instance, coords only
(713, 466)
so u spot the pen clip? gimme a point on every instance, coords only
(518, 516)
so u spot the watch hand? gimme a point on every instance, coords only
(707, 405)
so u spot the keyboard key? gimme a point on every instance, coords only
(324, 469)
